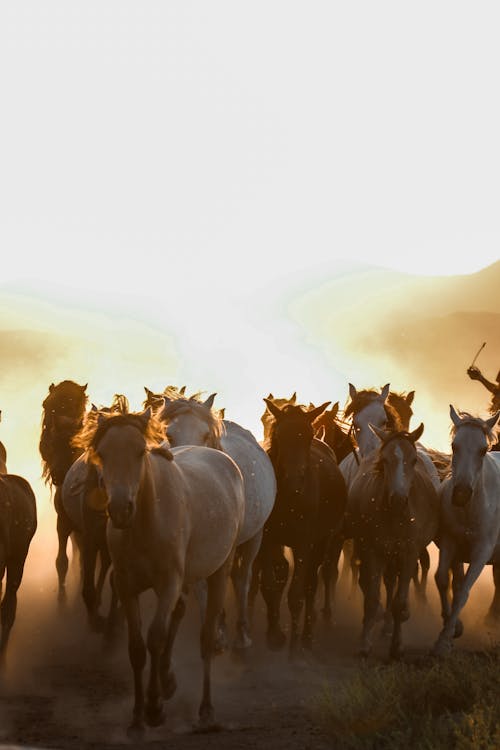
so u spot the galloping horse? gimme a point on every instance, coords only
(470, 522)
(392, 514)
(63, 413)
(307, 514)
(84, 501)
(174, 520)
(190, 421)
(18, 522)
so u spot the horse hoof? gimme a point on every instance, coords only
(276, 639)
(168, 685)
(135, 731)
(155, 715)
(62, 597)
(396, 653)
(97, 624)
(307, 642)
(459, 629)
(206, 718)
(221, 642)
(442, 647)
(327, 614)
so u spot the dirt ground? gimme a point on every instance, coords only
(63, 690)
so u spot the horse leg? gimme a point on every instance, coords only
(444, 642)
(89, 558)
(64, 529)
(216, 590)
(167, 677)
(457, 581)
(442, 577)
(241, 574)
(330, 575)
(389, 583)
(425, 565)
(493, 615)
(355, 566)
(168, 597)
(9, 602)
(296, 596)
(400, 608)
(274, 576)
(370, 575)
(137, 656)
(254, 582)
(311, 585)
(347, 551)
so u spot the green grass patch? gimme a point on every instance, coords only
(432, 704)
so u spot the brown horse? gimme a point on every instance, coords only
(174, 520)
(392, 514)
(62, 417)
(307, 514)
(17, 525)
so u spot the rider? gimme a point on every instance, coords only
(475, 374)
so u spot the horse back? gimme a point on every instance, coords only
(206, 486)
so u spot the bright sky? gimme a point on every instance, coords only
(196, 154)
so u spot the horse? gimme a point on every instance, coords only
(174, 519)
(335, 433)
(62, 417)
(18, 522)
(267, 418)
(190, 421)
(308, 513)
(84, 502)
(392, 514)
(470, 519)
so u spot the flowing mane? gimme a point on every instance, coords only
(94, 429)
(365, 397)
(492, 433)
(176, 405)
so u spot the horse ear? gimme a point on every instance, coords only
(84, 387)
(222, 413)
(491, 422)
(182, 390)
(51, 387)
(381, 434)
(410, 397)
(270, 395)
(148, 392)
(314, 413)
(352, 391)
(146, 415)
(385, 392)
(454, 416)
(94, 408)
(275, 410)
(334, 410)
(416, 434)
(210, 401)
(293, 398)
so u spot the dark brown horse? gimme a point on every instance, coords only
(308, 512)
(62, 417)
(17, 525)
(392, 514)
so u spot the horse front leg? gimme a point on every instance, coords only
(137, 656)
(311, 585)
(167, 677)
(216, 591)
(64, 528)
(274, 576)
(330, 575)
(370, 576)
(442, 576)
(389, 577)
(296, 596)
(493, 615)
(444, 642)
(241, 577)
(400, 607)
(168, 596)
(421, 585)
(9, 604)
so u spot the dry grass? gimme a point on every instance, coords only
(434, 704)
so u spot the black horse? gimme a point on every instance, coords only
(62, 417)
(307, 515)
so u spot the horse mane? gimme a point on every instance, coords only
(492, 433)
(365, 397)
(398, 399)
(93, 430)
(177, 405)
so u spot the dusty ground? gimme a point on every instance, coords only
(62, 690)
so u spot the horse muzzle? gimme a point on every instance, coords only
(121, 512)
(461, 495)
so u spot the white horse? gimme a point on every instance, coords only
(470, 526)
(175, 518)
(190, 421)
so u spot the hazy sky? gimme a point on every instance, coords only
(187, 157)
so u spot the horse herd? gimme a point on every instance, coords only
(176, 497)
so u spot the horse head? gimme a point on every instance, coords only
(370, 407)
(267, 418)
(190, 421)
(396, 462)
(471, 439)
(291, 437)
